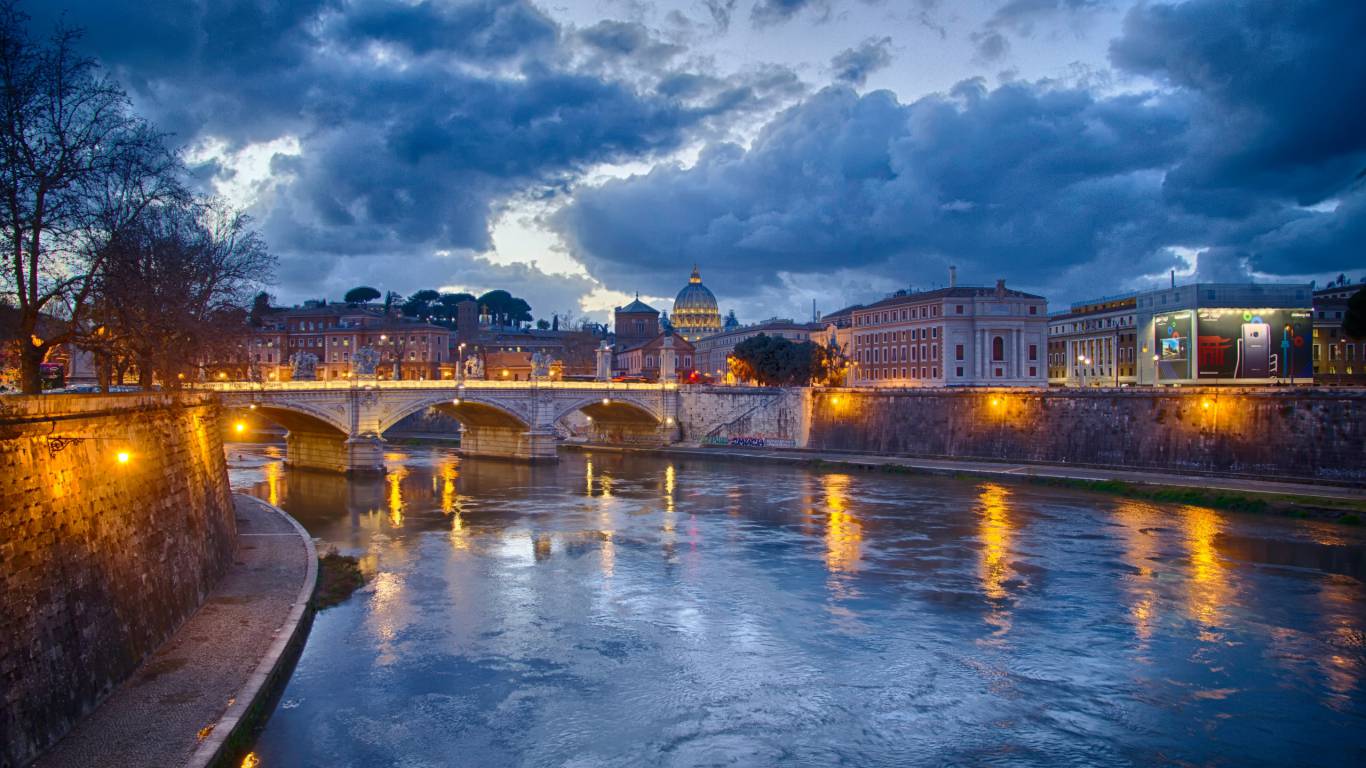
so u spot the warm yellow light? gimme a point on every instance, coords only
(669, 420)
(180, 375)
(252, 406)
(455, 401)
(607, 401)
(505, 372)
(590, 418)
(835, 400)
(995, 401)
(222, 375)
(122, 457)
(1205, 404)
(239, 427)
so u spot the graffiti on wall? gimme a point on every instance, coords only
(750, 441)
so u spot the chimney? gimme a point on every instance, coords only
(1173, 278)
(953, 277)
(1000, 289)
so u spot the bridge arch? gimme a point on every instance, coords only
(471, 411)
(296, 416)
(612, 410)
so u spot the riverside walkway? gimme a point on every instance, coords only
(1310, 489)
(180, 707)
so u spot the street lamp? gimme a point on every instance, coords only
(460, 362)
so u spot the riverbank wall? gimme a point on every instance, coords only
(116, 520)
(1298, 434)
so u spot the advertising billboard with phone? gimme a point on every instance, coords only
(1254, 344)
(1172, 340)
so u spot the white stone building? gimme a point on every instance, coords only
(954, 336)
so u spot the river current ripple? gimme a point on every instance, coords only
(637, 611)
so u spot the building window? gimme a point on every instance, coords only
(1033, 309)
(998, 350)
(1033, 352)
(958, 309)
(958, 371)
(958, 355)
(1316, 353)
(1033, 371)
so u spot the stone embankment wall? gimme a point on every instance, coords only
(100, 560)
(1287, 433)
(756, 417)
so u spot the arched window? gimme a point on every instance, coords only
(998, 349)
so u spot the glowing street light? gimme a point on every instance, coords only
(122, 457)
(239, 427)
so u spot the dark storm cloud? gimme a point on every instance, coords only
(416, 122)
(853, 65)
(1258, 118)
(1014, 180)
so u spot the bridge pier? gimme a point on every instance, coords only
(508, 443)
(334, 453)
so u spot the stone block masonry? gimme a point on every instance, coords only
(115, 521)
(1297, 434)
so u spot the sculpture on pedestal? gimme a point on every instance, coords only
(305, 366)
(367, 360)
(474, 367)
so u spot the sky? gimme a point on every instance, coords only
(577, 153)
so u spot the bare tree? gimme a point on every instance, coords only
(76, 166)
(176, 285)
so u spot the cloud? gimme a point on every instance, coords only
(853, 65)
(1025, 181)
(412, 124)
(1281, 96)
(1246, 153)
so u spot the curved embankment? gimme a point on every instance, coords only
(147, 610)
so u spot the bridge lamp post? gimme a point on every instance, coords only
(460, 362)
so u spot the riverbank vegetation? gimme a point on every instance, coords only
(338, 577)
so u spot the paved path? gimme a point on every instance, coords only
(993, 468)
(183, 700)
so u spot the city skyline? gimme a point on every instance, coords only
(578, 153)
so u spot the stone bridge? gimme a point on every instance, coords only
(340, 425)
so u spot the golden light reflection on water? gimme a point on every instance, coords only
(1139, 549)
(994, 530)
(450, 496)
(274, 472)
(395, 479)
(843, 532)
(1208, 590)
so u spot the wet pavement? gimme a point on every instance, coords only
(618, 610)
(172, 704)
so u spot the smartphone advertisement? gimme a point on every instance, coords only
(1254, 344)
(1172, 340)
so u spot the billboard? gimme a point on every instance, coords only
(1172, 341)
(1254, 344)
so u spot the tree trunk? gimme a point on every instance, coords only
(145, 374)
(30, 367)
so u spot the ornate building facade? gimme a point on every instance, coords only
(695, 311)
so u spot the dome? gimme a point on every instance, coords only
(695, 310)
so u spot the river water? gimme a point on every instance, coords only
(639, 611)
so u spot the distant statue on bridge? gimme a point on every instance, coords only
(540, 365)
(367, 360)
(474, 367)
(305, 366)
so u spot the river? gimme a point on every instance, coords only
(618, 610)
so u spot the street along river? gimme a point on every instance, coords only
(632, 611)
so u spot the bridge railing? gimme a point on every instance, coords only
(349, 384)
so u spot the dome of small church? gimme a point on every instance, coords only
(696, 313)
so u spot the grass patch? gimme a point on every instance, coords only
(1332, 510)
(338, 576)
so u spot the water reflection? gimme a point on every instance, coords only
(621, 611)
(843, 534)
(1209, 588)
